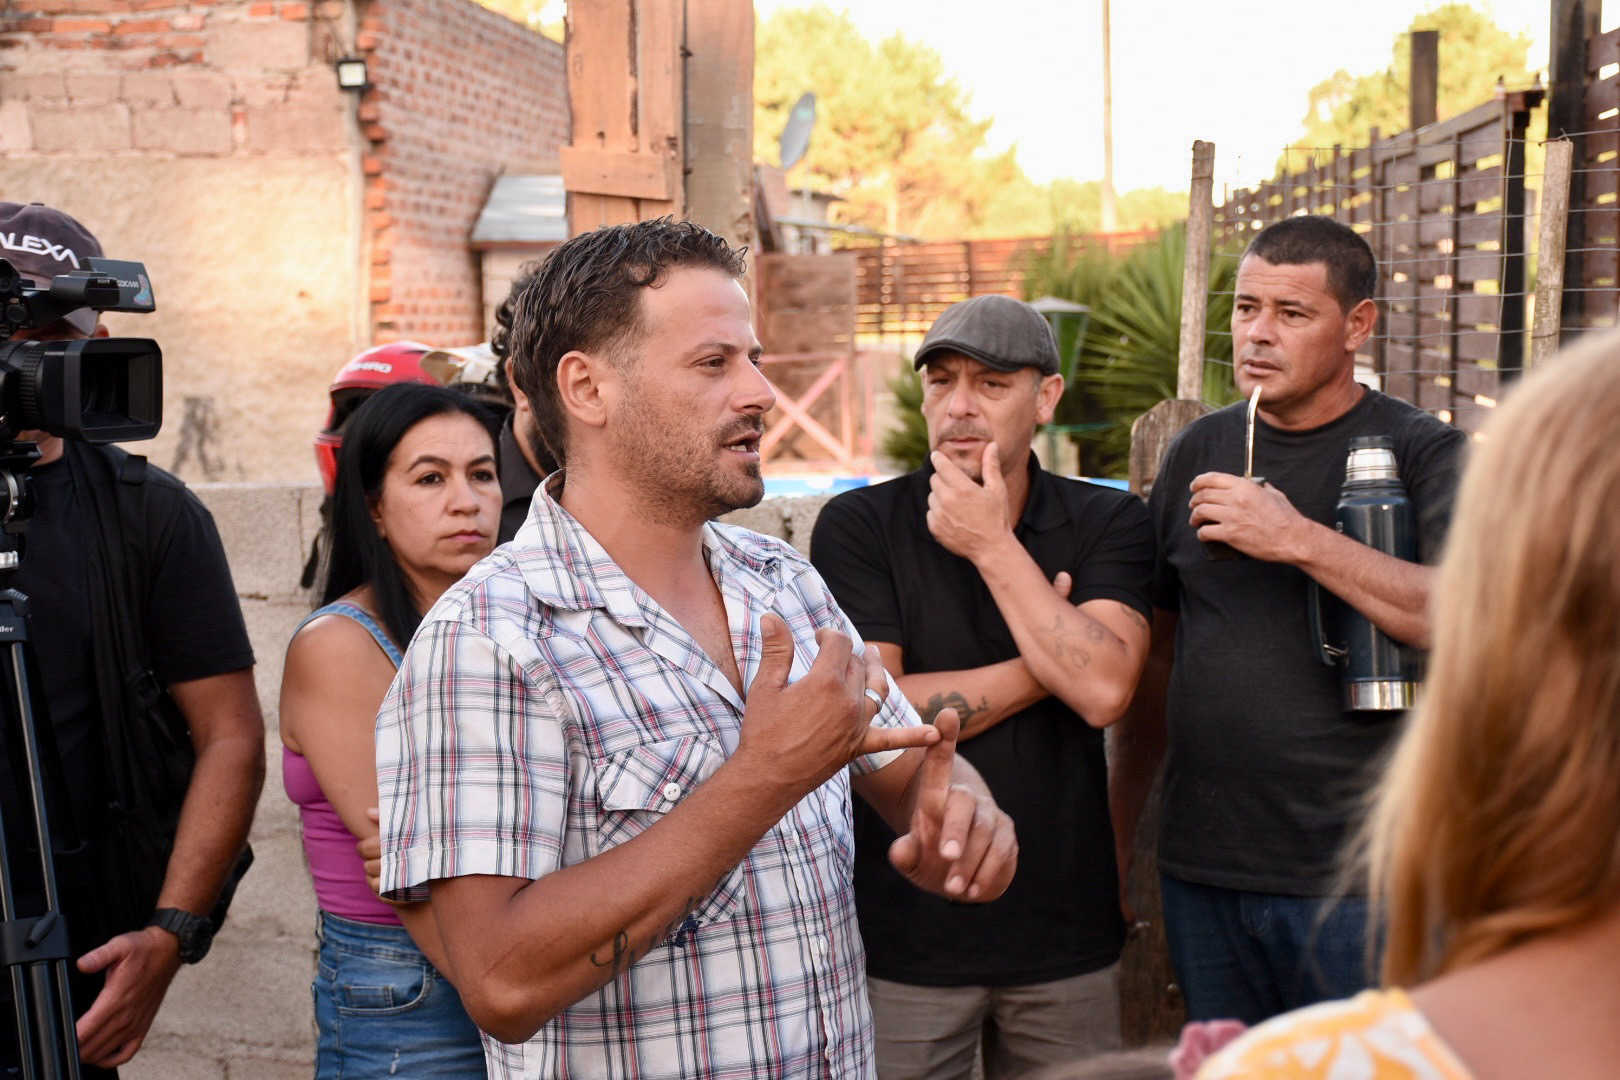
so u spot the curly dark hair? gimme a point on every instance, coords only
(587, 297)
(499, 342)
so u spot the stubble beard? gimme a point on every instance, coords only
(972, 464)
(673, 476)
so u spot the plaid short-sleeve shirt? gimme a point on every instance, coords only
(548, 710)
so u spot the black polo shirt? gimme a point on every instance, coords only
(897, 584)
(518, 482)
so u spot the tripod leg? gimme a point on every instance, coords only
(36, 950)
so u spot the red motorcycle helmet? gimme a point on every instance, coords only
(370, 371)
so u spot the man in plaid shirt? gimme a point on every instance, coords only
(619, 755)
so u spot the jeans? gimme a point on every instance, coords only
(937, 1032)
(382, 1010)
(1248, 956)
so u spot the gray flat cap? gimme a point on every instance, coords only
(997, 331)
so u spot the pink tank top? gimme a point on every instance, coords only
(337, 870)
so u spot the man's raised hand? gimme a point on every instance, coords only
(968, 517)
(809, 729)
(960, 844)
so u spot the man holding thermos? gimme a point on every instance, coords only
(1270, 737)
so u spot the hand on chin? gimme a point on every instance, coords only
(968, 458)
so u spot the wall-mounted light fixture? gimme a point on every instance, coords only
(351, 73)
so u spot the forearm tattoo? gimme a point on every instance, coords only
(965, 712)
(624, 953)
(1072, 645)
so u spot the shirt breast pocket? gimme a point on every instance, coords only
(638, 785)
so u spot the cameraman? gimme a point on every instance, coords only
(189, 629)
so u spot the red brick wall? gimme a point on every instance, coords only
(458, 93)
(209, 139)
(209, 78)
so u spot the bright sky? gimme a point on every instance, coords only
(1235, 74)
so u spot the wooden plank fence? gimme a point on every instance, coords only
(1592, 272)
(833, 327)
(1443, 208)
(901, 288)
(824, 385)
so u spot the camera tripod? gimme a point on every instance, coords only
(34, 949)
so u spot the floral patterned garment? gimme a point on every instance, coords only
(1376, 1035)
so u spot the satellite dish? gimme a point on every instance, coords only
(796, 136)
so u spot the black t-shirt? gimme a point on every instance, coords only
(193, 629)
(1265, 770)
(1045, 766)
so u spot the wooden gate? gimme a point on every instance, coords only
(824, 384)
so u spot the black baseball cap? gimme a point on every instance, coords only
(997, 331)
(41, 243)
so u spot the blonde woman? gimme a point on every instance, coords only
(1494, 845)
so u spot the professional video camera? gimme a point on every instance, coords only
(95, 389)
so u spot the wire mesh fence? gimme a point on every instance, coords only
(1446, 211)
(1450, 211)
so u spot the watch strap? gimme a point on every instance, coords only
(194, 932)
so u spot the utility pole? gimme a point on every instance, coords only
(1110, 221)
(1423, 82)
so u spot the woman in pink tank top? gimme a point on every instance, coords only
(417, 504)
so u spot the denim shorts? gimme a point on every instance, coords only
(381, 1010)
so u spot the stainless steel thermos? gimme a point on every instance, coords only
(1378, 674)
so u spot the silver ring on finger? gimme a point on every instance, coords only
(875, 697)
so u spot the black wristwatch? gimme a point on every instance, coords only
(194, 932)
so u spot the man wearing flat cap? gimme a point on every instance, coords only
(1020, 599)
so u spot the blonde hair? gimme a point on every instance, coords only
(1498, 820)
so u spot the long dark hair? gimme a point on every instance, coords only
(357, 555)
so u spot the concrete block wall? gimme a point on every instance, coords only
(245, 1013)
(459, 93)
(208, 140)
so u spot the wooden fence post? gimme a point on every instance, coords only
(1195, 274)
(1150, 1005)
(1574, 22)
(719, 121)
(1550, 252)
